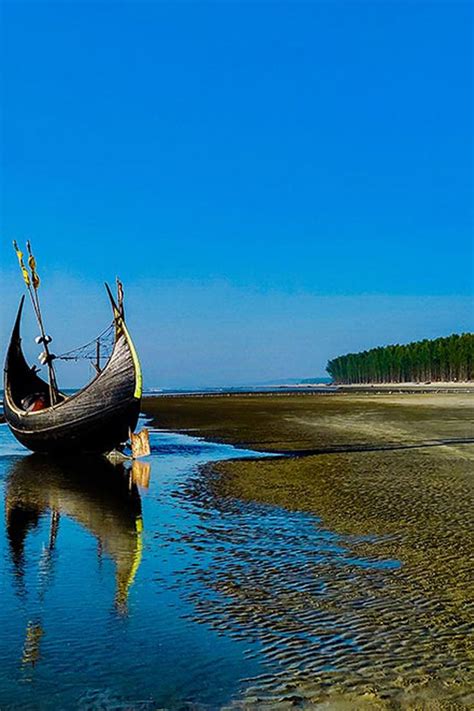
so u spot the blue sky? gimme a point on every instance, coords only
(276, 183)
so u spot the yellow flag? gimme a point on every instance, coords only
(24, 270)
(34, 276)
(26, 276)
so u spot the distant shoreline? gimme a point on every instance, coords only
(465, 386)
(320, 388)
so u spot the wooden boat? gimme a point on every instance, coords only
(96, 419)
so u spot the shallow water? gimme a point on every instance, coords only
(116, 595)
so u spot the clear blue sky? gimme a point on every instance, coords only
(276, 183)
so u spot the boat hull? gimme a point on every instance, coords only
(95, 420)
(95, 434)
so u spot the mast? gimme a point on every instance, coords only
(32, 284)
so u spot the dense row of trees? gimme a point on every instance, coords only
(448, 359)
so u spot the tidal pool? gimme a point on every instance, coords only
(93, 614)
(126, 595)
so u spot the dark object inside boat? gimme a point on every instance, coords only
(39, 401)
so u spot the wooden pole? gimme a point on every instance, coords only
(53, 387)
(33, 292)
(97, 356)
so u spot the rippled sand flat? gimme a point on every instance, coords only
(391, 627)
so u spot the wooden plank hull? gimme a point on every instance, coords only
(95, 420)
(97, 434)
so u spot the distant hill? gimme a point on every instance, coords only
(294, 381)
(441, 359)
(315, 381)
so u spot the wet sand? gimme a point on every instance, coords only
(393, 474)
(303, 422)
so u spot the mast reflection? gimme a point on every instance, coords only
(103, 498)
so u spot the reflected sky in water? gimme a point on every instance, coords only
(88, 614)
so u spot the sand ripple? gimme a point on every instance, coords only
(338, 619)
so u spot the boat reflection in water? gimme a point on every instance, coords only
(101, 497)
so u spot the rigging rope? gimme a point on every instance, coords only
(104, 340)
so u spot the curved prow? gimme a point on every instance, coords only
(20, 379)
(15, 337)
(120, 328)
(115, 308)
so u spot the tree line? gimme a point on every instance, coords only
(441, 359)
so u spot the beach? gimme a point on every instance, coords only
(392, 475)
(290, 422)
